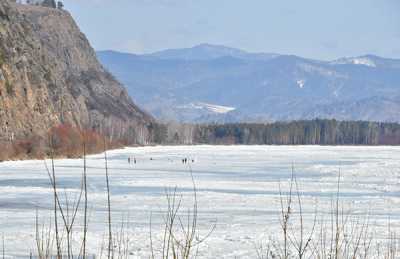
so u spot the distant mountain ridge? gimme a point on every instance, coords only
(257, 86)
(208, 52)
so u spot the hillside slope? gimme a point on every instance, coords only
(50, 75)
(183, 84)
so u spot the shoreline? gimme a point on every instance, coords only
(195, 145)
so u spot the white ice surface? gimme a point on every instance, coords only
(238, 191)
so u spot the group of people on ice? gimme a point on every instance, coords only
(130, 160)
(184, 160)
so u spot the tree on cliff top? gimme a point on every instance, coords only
(60, 5)
(49, 3)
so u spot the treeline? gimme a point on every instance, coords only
(306, 132)
(45, 3)
(68, 141)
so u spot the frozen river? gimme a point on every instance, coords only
(238, 191)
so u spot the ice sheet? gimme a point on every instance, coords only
(238, 191)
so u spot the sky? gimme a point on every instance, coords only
(319, 29)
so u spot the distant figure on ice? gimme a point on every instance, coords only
(129, 160)
(134, 160)
(184, 161)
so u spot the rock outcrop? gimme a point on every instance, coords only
(50, 75)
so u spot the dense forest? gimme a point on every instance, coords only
(313, 132)
(65, 140)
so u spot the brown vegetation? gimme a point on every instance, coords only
(66, 141)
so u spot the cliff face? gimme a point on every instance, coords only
(49, 75)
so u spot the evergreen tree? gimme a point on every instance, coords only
(49, 3)
(60, 5)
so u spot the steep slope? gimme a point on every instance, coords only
(258, 87)
(49, 75)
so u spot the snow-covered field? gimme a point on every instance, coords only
(238, 191)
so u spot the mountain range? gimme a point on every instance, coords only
(211, 83)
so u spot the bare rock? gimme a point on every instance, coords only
(49, 75)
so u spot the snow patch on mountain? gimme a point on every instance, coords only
(219, 109)
(301, 83)
(364, 61)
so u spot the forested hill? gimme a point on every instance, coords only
(209, 83)
(312, 132)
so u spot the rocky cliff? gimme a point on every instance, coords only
(49, 75)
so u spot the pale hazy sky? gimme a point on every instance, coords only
(322, 29)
